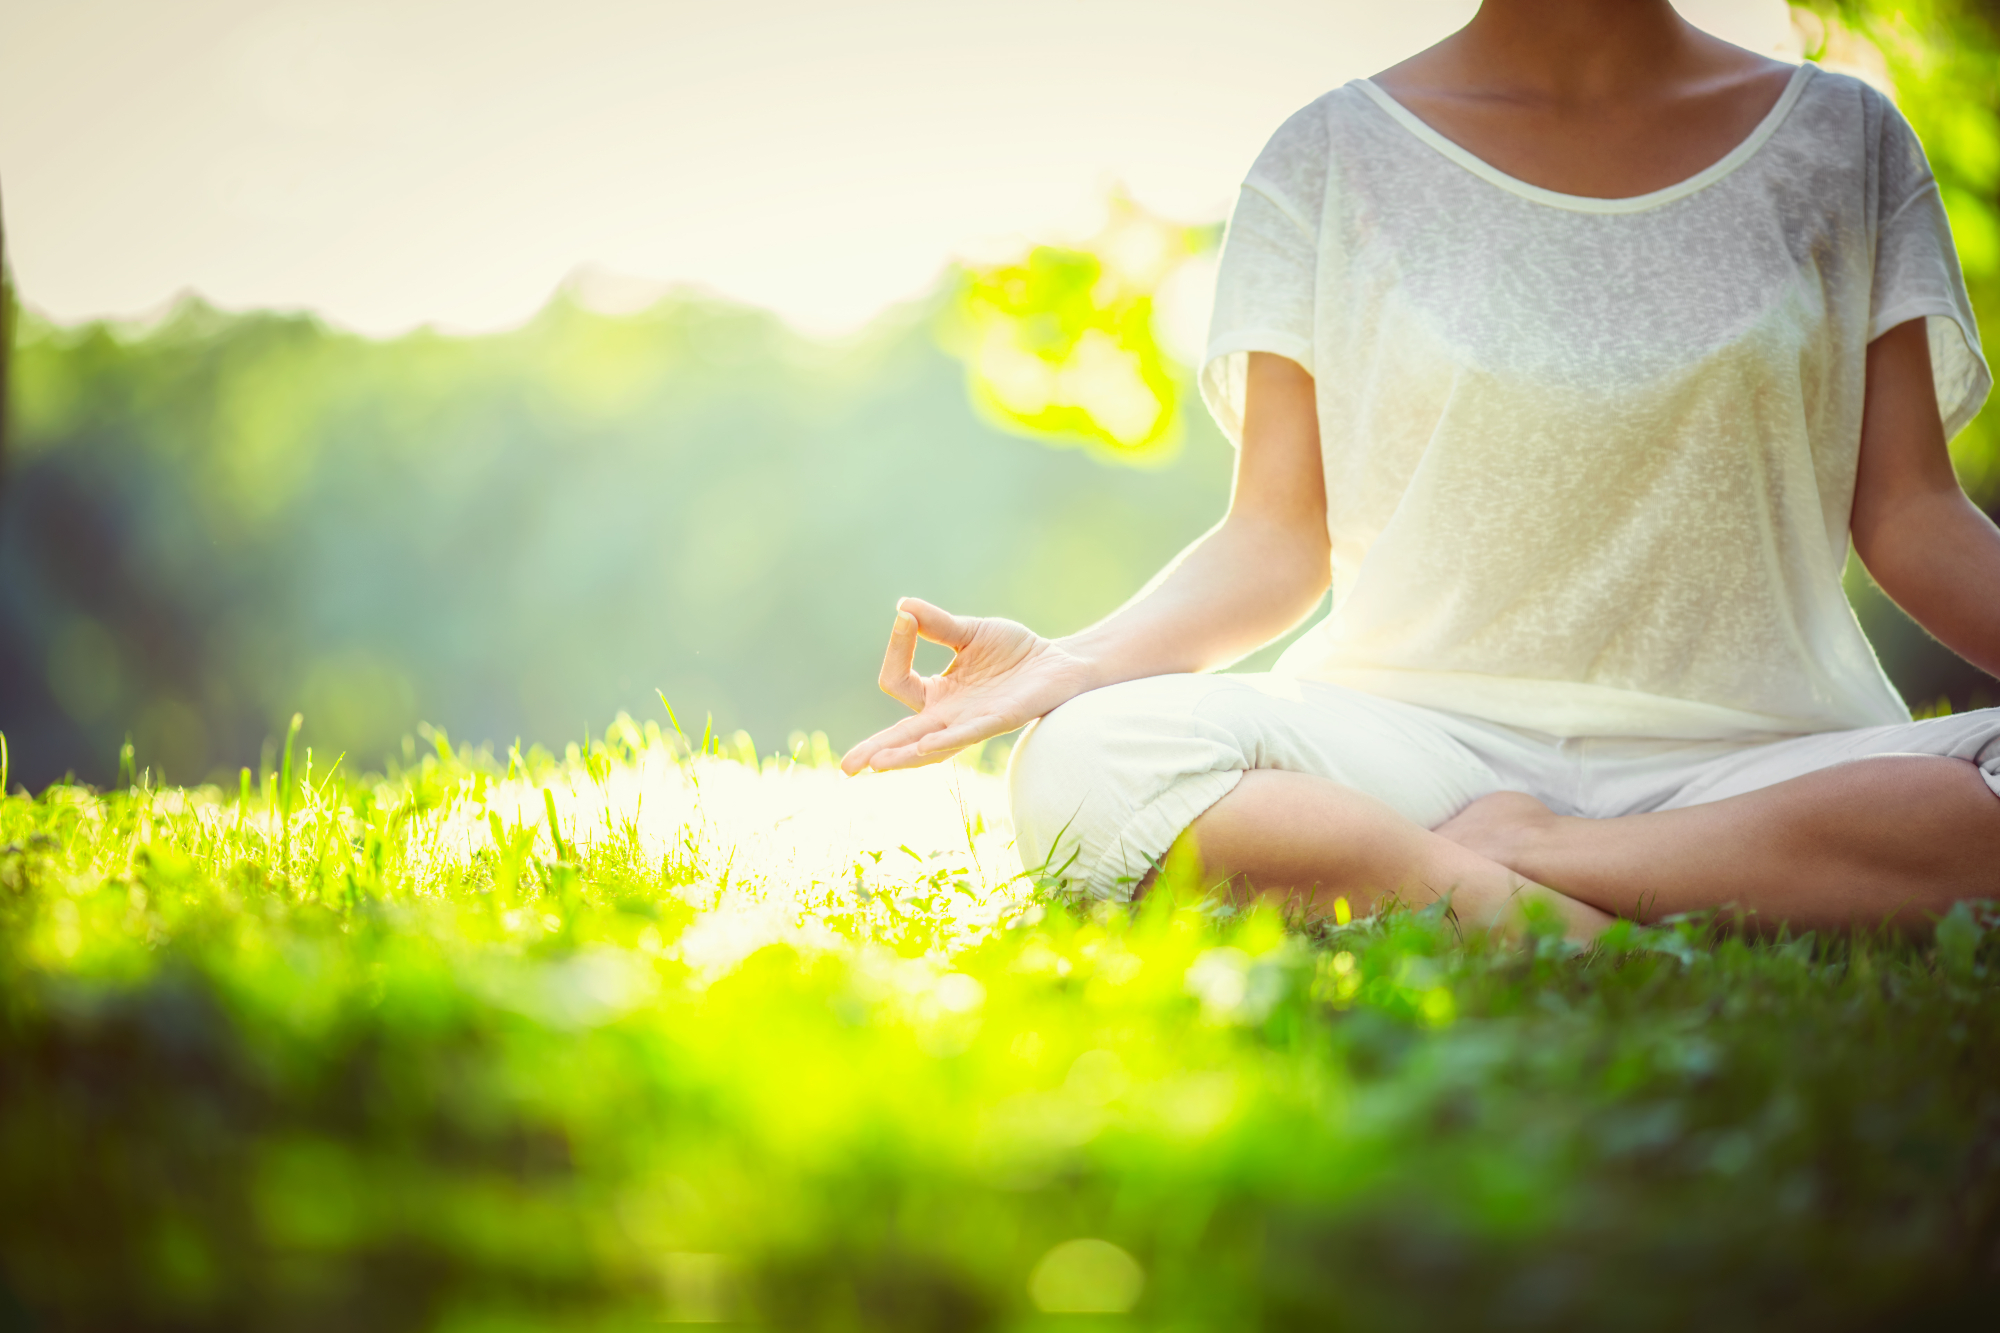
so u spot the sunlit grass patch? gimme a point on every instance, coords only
(667, 1031)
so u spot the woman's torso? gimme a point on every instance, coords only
(1589, 462)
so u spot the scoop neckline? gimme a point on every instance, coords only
(1583, 203)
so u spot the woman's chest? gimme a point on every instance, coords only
(1554, 364)
(1592, 303)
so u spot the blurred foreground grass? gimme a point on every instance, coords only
(658, 1032)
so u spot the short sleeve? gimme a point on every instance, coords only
(1264, 287)
(1917, 272)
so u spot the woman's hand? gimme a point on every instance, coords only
(1002, 675)
(1252, 577)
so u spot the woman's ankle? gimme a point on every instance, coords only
(1509, 827)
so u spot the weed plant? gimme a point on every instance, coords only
(660, 1031)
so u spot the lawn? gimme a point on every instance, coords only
(665, 1032)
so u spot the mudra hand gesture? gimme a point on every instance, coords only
(1002, 675)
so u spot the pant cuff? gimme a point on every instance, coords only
(1144, 839)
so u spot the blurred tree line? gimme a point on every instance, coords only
(228, 517)
(212, 522)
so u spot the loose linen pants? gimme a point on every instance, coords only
(1105, 783)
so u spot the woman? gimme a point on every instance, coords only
(1568, 353)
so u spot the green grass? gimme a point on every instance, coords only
(639, 1035)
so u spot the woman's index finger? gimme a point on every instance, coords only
(899, 679)
(939, 625)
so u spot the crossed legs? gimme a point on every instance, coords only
(1890, 840)
(1310, 793)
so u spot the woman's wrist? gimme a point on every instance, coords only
(1112, 659)
(1090, 658)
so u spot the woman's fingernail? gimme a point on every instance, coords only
(904, 620)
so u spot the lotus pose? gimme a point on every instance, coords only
(1570, 354)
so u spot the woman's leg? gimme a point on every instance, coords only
(1892, 838)
(1307, 840)
(1302, 791)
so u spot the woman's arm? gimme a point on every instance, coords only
(1924, 542)
(1249, 579)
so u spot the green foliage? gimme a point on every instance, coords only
(612, 1039)
(1062, 343)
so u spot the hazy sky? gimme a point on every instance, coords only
(452, 161)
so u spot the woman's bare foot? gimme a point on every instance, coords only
(1498, 827)
(1298, 838)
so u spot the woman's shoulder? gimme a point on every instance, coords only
(1836, 85)
(1311, 137)
(1846, 108)
(1851, 123)
(1335, 113)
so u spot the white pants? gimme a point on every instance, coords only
(1105, 783)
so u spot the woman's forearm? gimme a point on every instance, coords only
(1927, 545)
(1255, 574)
(1244, 583)
(1938, 558)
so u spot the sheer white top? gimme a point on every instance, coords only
(1590, 462)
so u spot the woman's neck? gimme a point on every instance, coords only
(1570, 53)
(1605, 98)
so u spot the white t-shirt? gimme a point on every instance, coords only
(1590, 462)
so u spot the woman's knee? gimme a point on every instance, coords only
(1081, 775)
(1057, 765)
